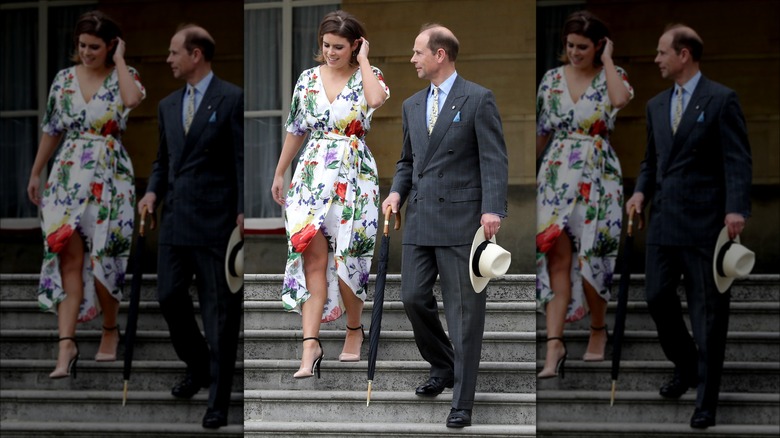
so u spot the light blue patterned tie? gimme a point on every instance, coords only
(677, 110)
(190, 109)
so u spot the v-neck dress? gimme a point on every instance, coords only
(89, 191)
(579, 187)
(335, 189)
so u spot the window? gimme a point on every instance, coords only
(280, 39)
(36, 44)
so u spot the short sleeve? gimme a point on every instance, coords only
(296, 121)
(380, 77)
(137, 80)
(543, 122)
(613, 111)
(53, 123)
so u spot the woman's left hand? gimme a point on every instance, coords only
(119, 54)
(606, 55)
(363, 49)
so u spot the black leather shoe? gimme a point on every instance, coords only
(214, 419)
(702, 419)
(434, 386)
(459, 418)
(676, 387)
(189, 386)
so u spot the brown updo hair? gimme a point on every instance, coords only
(585, 24)
(97, 24)
(343, 24)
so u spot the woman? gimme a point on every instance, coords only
(579, 192)
(332, 203)
(87, 202)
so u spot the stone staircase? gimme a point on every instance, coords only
(31, 404)
(750, 390)
(335, 405)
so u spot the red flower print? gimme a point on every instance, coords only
(301, 239)
(354, 128)
(111, 128)
(546, 239)
(97, 190)
(59, 238)
(585, 190)
(341, 190)
(599, 127)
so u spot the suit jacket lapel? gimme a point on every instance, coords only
(689, 118)
(175, 129)
(447, 112)
(202, 115)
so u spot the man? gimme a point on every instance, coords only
(198, 176)
(697, 171)
(453, 173)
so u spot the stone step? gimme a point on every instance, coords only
(743, 316)
(34, 405)
(385, 407)
(41, 344)
(746, 377)
(385, 430)
(649, 407)
(80, 429)
(633, 429)
(496, 377)
(760, 287)
(146, 375)
(23, 287)
(268, 287)
(643, 345)
(393, 345)
(500, 317)
(27, 315)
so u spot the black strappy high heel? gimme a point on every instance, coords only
(71, 364)
(559, 367)
(591, 357)
(351, 357)
(315, 366)
(105, 357)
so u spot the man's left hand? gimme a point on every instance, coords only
(735, 223)
(492, 223)
(240, 223)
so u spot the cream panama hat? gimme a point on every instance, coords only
(234, 261)
(731, 260)
(487, 260)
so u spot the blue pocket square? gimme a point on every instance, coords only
(457, 117)
(213, 117)
(701, 117)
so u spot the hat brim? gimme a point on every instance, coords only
(235, 282)
(478, 283)
(722, 283)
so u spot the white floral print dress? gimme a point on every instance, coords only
(90, 189)
(335, 189)
(579, 187)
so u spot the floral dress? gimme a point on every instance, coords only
(335, 189)
(90, 189)
(578, 187)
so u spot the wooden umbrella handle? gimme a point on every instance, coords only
(388, 213)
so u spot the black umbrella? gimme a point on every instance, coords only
(622, 301)
(135, 296)
(379, 298)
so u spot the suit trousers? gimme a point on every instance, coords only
(214, 356)
(463, 308)
(701, 356)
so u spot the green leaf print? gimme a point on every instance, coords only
(102, 213)
(590, 214)
(346, 213)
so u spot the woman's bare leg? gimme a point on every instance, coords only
(559, 260)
